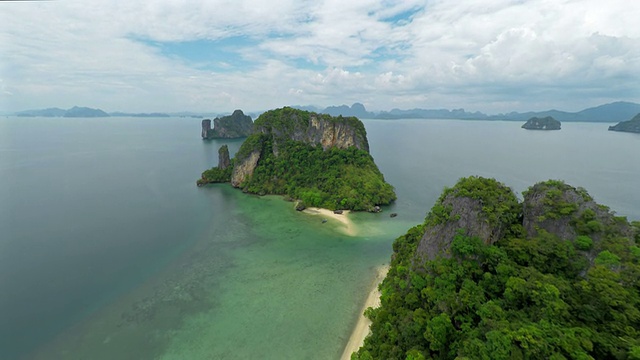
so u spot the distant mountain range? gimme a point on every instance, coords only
(613, 112)
(85, 112)
(75, 111)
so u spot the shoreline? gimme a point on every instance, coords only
(348, 227)
(361, 330)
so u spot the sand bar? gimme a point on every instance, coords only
(361, 330)
(348, 228)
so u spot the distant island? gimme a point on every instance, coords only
(632, 125)
(545, 123)
(613, 112)
(75, 111)
(142, 115)
(487, 276)
(236, 125)
(320, 160)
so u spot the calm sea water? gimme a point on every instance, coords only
(108, 250)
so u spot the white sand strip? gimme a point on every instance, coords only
(348, 228)
(361, 329)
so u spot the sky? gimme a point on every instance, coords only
(492, 56)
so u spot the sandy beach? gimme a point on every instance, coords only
(361, 330)
(348, 226)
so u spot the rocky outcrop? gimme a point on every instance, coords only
(546, 123)
(483, 208)
(566, 212)
(236, 125)
(317, 129)
(244, 168)
(465, 215)
(318, 159)
(632, 125)
(206, 128)
(475, 207)
(223, 157)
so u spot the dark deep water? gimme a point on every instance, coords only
(109, 250)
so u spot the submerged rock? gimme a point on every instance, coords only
(300, 206)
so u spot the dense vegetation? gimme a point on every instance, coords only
(215, 175)
(292, 162)
(332, 179)
(522, 297)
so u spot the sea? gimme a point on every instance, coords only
(108, 250)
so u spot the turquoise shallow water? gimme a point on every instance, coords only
(109, 250)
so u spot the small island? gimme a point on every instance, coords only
(545, 123)
(487, 276)
(632, 125)
(320, 160)
(236, 125)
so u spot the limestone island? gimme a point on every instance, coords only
(545, 123)
(320, 160)
(487, 276)
(236, 125)
(632, 125)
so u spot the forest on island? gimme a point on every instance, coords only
(521, 297)
(331, 178)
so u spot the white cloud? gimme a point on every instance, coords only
(491, 55)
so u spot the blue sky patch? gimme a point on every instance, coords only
(402, 18)
(217, 55)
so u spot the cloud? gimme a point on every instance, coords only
(494, 55)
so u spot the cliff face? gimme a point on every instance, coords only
(466, 217)
(223, 157)
(632, 125)
(206, 128)
(340, 132)
(310, 128)
(567, 212)
(546, 123)
(236, 125)
(244, 168)
(475, 207)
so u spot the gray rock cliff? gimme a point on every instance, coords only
(567, 212)
(223, 157)
(206, 128)
(244, 168)
(317, 129)
(236, 125)
(465, 215)
(320, 131)
(550, 208)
